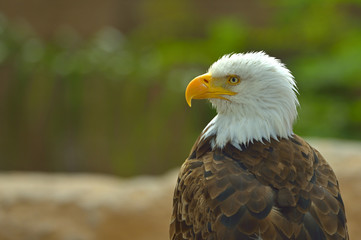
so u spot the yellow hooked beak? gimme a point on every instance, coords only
(203, 87)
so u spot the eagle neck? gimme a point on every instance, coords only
(240, 130)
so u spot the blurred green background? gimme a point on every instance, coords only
(99, 85)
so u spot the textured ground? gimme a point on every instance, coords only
(37, 206)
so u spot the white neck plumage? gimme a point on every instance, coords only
(246, 127)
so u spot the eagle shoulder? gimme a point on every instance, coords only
(275, 190)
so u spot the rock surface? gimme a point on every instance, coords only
(39, 206)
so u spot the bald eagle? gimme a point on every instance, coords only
(248, 176)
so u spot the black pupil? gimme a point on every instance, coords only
(233, 79)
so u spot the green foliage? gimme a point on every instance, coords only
(115, 103)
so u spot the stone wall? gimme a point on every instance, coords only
(39, 206)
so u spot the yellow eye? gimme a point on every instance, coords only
(233, 80)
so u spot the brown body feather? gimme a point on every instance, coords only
(274, 190)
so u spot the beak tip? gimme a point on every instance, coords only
(189, 102)
(188, 98)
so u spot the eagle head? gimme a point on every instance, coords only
(254, 95)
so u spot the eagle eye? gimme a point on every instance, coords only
(233, 80)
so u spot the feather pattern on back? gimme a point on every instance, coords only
(274, 190)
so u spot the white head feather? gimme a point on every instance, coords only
(265, 105)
